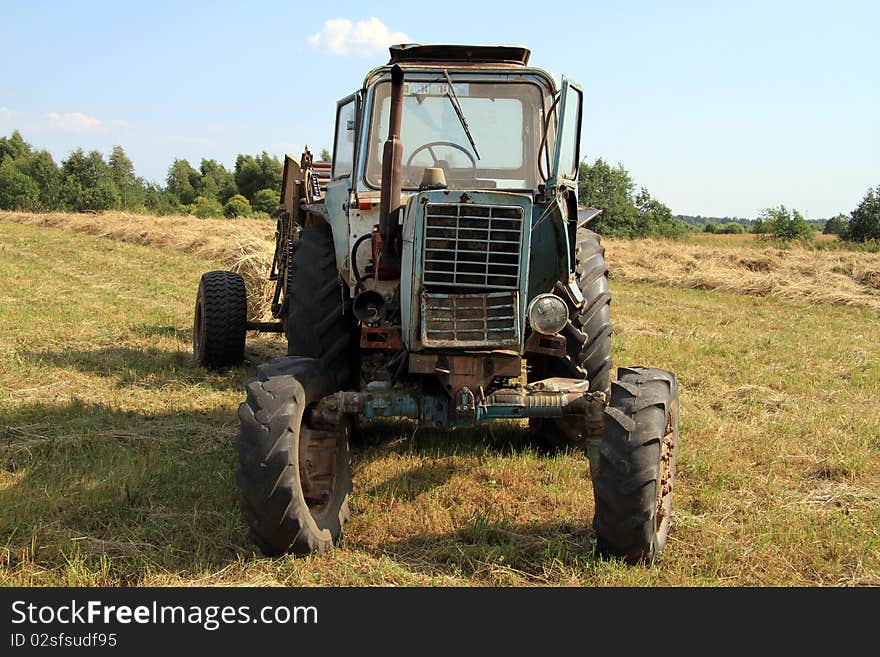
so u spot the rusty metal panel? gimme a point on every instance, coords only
(470, 320)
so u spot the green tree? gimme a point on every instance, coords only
(786, 224)
(760, 226)
(271, 171)
(182, 180)
(87, 183)
(248, 176)
(237, 206)
(160, 201)
(655, 218)
(255, 173)
(865, 222)
(837, 225)
(131, 189)
(710, 228)
(732, 228)
(17, 190)
(41, 168)
(216, 181)
(266, 200)
(611, 189)
(14, 146)
(325, 155)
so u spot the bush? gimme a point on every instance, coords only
(838, 225)
(261, 215)
(266, 200)
(237, 206)
(205, 207)
(710, 228)
(732, 228)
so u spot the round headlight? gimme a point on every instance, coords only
(548, 314)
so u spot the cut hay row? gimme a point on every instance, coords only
(246, 245)
(837, 277)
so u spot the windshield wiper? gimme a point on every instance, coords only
(456, 105)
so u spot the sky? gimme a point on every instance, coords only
(718, 109)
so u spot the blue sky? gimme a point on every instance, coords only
(716, 108)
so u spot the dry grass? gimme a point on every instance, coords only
(244, 246)
(117, 460)
(835, 277)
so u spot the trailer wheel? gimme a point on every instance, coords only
(294, 478)
(220, 320)
(635, 474)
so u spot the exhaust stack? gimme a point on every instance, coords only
(389, 202)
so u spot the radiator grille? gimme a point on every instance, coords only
(469, 245)
(470, 320)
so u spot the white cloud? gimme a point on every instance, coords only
(341, 36)
(73, 122)
(119, 123)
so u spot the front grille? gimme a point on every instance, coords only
(469, 245)
(470, 320)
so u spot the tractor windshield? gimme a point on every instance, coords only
(505, 120)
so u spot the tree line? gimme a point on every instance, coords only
(87, 182)
(630, 214)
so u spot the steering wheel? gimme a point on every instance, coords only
(430, 148)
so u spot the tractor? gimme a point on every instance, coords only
(440, 271)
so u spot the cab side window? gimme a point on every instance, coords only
(343, 149)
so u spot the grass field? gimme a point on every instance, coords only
(116, 454)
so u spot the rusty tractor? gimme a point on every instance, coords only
(444, 275)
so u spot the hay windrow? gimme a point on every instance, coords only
(244, 246)
(746, 267)
(836, 277)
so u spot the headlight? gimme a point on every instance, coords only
(548, 314)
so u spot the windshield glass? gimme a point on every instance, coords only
(505, 120)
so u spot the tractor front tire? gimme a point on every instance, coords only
(220, 322)
(635, 473)
(294, 478)
(588, 344)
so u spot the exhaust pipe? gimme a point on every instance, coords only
(389, 202)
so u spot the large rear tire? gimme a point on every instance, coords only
(588, 343)
(634, 477)
(220, 322)
(294, 478)
(319, 321)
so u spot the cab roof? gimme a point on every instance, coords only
(415, 53)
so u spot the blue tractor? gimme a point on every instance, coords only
(441, 273)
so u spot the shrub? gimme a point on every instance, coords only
(237, 206)
(711, 228)
(732, 228)
(205, 207)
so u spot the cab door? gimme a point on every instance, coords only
(566, 157)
